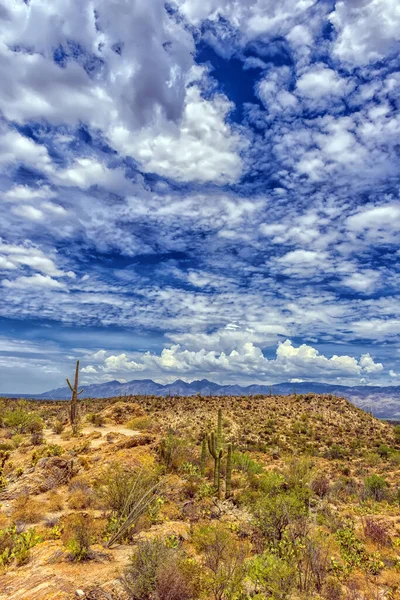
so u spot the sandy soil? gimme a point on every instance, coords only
(95, 442)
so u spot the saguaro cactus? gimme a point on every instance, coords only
(203, 459)
(216, 453)
(73, 409)
(228, 477)
(219, 429)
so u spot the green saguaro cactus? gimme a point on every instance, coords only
(228, 477)
(219, 429)
(216, 453)
(203, 459)
(73, 409)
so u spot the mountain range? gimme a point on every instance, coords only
(383, 402)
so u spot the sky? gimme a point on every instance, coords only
(199, 188)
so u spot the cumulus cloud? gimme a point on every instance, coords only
(367, 30)
(290, 362)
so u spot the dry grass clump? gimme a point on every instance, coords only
(141, 423)
(79, 532)
(55, 501)
(27, 509)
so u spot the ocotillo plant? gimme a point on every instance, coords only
(73, 410)
(216, 453)
(228, 477)
(203, 459)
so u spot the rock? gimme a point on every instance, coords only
(80, 594)
(137, 440)
(53, 471)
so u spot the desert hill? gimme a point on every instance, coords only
(125, 504)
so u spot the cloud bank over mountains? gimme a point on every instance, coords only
(199, 189)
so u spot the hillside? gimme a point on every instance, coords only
(384, 402)
(307, 505)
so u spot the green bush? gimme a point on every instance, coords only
(242, 461)
(375, 487)
(21, 421)
(79, 532)
(274, 514)
(272, 576)
(223, 561)
(96, 419)
(46, 451)
(16, 546)
(158, 571)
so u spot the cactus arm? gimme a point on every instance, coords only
(70, 386)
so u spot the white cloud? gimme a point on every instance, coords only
(25, 211)
(367, 29)
(290, 362)
(31, 256)
(116, 363)
(320, 81)
(365, 281)
(368, 365)
(202, 147)
(37, 280)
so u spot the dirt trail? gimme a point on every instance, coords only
(53, 438)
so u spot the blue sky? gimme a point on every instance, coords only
(199, 189)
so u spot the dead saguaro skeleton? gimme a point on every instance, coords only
(73, 409)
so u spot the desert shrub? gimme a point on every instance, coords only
(333, 589)
(298, 474)
(174, 451)
(27, 509)
(120, 488)
(6, 446)
(159, 572)
(375, 487)
(58, 427)
(130, 495)
(272, 483)
(272, 576)
(45, 452)
(82, 494)
(320, 485)
(223, 560)
(37, 438)
(397, 433)
(21, 421)
(353, 551)
(140, 423)
(15, 545)
(17, 439)
(79, 532)
(336, 452)
(55, 501)
(273, 514)
(377, 531)
(243, 462)
(96, 419)
(81, 499)
(384, 451)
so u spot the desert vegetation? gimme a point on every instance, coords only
(149, 498)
